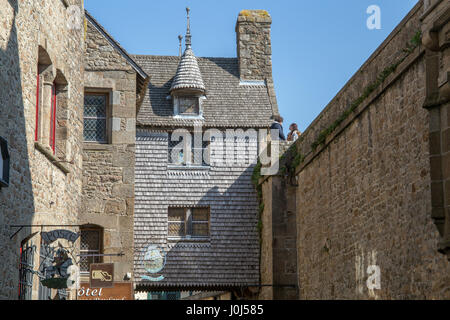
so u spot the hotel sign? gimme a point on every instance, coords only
(120, 291)
(101, 275)
(4, 163)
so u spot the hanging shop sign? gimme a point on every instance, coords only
(52, 236)
(4, 163)
(153, 259)
(57, 269)
(120, 291)
(101, 275)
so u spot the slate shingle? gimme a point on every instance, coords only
(231, 256)
(229, 103)
(188, 74)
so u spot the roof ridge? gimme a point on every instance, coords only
(154, 56)
(143, 56)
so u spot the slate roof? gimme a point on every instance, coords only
(229, 102)
(188, 74)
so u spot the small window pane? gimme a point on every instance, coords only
(188, 105)
(200, 214)
(85, 262)
(89, 244)
(197, 224)
(177, 214)
(95, 130)
(200, 229)
(95, 118)
(176, 229)
(95, 106)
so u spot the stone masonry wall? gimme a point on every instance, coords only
(266, 260)
(278, 245)
(436, 39)
(254, 48)
(365, 200)
(364, 195)
(42, 191)
(108, 169)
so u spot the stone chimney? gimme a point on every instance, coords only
(254, 48)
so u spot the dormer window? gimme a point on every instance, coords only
(188, 89)
(188, 106)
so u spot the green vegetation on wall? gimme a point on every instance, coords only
(292, 158)
(413, 44)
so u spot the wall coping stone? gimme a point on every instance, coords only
(48, 153)
(402, 68)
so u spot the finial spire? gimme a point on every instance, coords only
(188, 32)
(180, 39)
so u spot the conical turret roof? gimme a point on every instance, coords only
(188, 74)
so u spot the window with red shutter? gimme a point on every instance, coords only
(53, 120)
(38, 87)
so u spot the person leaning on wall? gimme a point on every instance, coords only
(293, 134)
(278, 125)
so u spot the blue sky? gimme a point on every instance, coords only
(316, 45)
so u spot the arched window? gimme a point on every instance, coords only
(51, 106)
(58, 117)
(91, 246)
(44, 73)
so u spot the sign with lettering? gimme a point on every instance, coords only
(120, 291)
(57, 269)
(52, 236)
(101, 275)
(4, 163)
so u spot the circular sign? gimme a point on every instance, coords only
(153, 261)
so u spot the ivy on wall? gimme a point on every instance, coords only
(413, 44)
(292, 158)
(256, 176)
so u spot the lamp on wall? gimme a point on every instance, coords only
(4, 163)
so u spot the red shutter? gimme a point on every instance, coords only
(36, 130)
(53, 120)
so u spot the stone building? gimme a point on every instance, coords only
(146, 162)
(113, 87)
(41, 54)
(73, 153)
(194, 201)
(360, 207)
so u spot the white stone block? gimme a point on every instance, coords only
(116, 98)
(116, 124)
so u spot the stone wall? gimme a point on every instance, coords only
(254, 49)
(42, 190)
(436, 38)
(364, 195)
(278, 242)
(108, 169)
